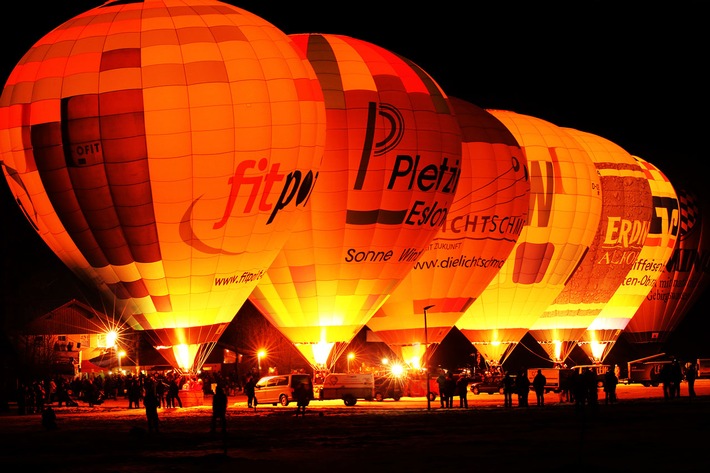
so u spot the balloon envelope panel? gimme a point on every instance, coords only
(684, 278)
(565, 207)
(485, 220)
(627, 207)
(651, 261)
(163, 150)
(389, 173)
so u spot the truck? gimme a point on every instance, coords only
(703, 367)
(347, 386)
(647, 371)
(555, 378)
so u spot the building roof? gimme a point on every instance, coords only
(73, 317)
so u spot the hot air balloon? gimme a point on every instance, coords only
(627, 209)
(649, 264)
(565, 206)
(685, 276)
(485, 220)
(389, 173)
(164, 150)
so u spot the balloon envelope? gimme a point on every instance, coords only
(684, 278)
(625, 221)
(647, 268)
(389, 173)
(565, 206)
(485, 220)
(163, 150)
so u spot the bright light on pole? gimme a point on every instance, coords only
(259, 355)
(120, 354)
(351, 355)
(426, 357)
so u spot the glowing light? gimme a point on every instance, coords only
(397, 369)
(112, 338)
(184, 355)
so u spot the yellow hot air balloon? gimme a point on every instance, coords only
(389, 173)
(163, 150)
(485, 220)
(645, 271)
(565, 207)
(625, 222)
(685, 277)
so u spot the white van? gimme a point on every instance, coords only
(348, 386)
(278, 389)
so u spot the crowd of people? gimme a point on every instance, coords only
(162, 390)
(34, 395)
(582, 387)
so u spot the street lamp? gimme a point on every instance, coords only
(351, 355)
(426, 357)
(120, 355)
(260, 354)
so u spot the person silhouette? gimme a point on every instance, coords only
(174, 392)
(462, 389)
(303, 394)
(151, 403)
(539, 382)
(691, 374)
(219, 409)
(449, 389)
(522, 386)
(441, 381)
(508, 389)
(610, 382)
(250, 391)
(49, 418)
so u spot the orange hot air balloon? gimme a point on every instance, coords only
(565, 206)
(627, 208)
(389, 173)
(647, 268)
(685, 277)
(163, 150)
(485, 220)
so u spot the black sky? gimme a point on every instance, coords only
(631, 72)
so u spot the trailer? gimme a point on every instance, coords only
(348, 386)
(703, 365)
(647, 371)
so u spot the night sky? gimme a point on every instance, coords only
(629, 74)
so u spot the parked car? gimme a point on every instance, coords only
(279, 389)
(489, 384)
(388, 387)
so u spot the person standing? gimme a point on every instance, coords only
(610, 382)
(462, 388)
(219, 409)
(449, 389)
(676, 378)
(174, 392)
(150, 402)
(303, 394)
(249, 390)
(522, 386)
(539, 382)
(441, 381)
(691, 374)
(667, 382)
(508, 389)
(133, 392)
